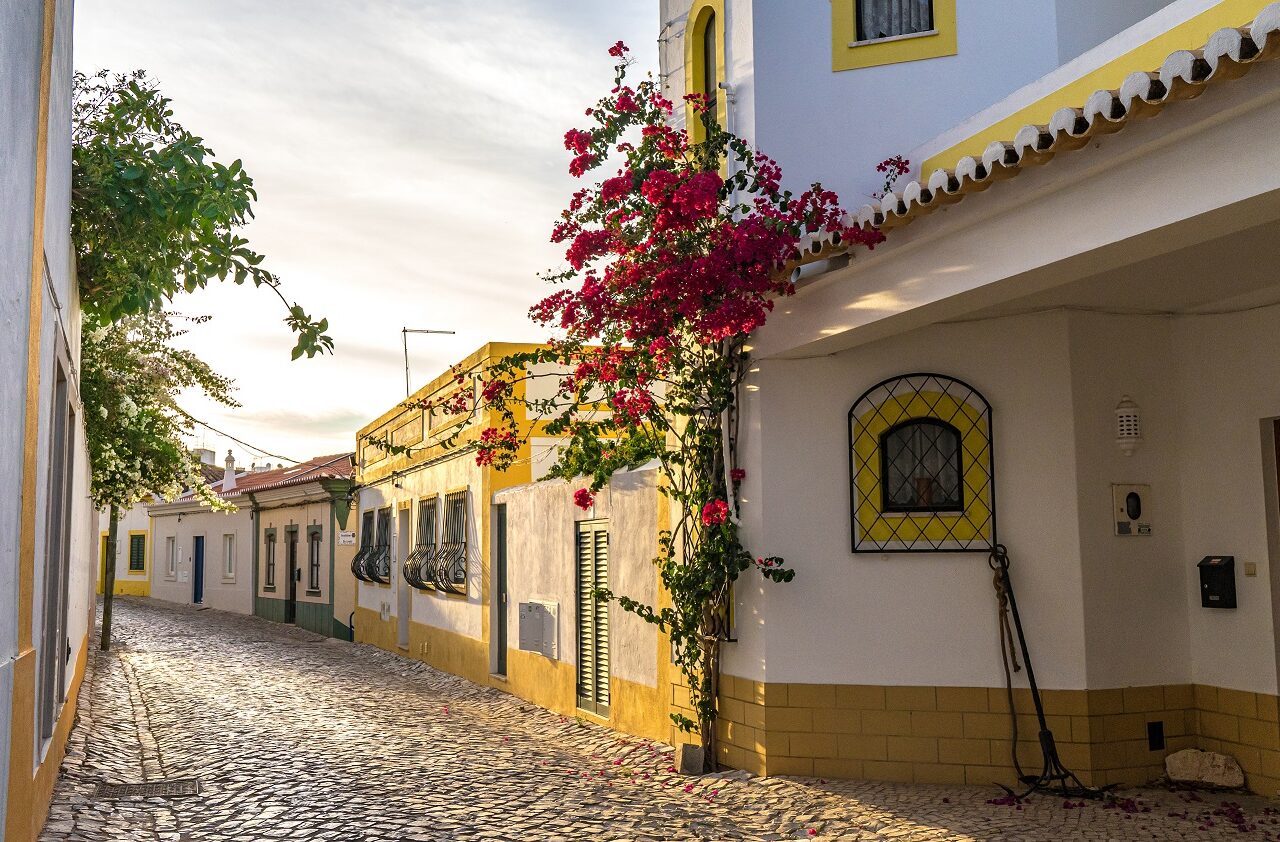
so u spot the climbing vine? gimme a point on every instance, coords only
(674, 256)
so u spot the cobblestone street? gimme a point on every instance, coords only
(293, 736)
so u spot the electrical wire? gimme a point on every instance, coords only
(259, 450)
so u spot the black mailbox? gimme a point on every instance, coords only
(1218, 581)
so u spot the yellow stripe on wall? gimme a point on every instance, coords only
(1149, 56)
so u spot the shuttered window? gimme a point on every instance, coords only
(593, 617)
(137, 552)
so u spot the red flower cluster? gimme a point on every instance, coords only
(583, 499)
(737, 475)
(492, 441)
(632, 404)
(715, 513)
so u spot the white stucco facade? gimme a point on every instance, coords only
(175, 527)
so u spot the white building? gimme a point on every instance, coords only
(48, 528)
(1126, 276)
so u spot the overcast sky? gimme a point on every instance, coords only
(409, 163)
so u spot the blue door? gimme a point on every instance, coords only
(197, 569)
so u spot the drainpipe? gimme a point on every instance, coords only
(255, 515)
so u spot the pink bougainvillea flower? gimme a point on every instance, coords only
(583, 499)
(715, 513)
(738, 474)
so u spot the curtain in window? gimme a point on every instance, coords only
(888, 18)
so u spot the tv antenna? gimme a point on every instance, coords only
(404, 336)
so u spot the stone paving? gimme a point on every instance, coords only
(295, 737)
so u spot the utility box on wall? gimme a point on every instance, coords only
(1129, 505)
(1218, 581)
(539, 622)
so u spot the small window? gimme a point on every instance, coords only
(313, 558)
(271, 559)
(920, 464)
(228, 556)
(137, 553)
(879, 19)
(171, 555)
(710, 82)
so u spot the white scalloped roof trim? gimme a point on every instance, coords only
(1185, 74)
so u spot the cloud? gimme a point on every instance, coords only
(409, 161)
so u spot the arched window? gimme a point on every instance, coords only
(710, 80)
(704, 63)
(893, 18)
(920, 467)
(921, 473)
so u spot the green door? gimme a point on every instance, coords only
(593, 617)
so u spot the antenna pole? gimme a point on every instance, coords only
(404, 338)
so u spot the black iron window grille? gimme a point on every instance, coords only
(921, 467)
(358, 562)
(378, 565)
(449, 564)
(417, 567)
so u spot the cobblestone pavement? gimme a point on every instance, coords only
(294, 737)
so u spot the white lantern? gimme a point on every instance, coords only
(1128, 426)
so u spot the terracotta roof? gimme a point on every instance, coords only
(333, 466)
(1185, 74)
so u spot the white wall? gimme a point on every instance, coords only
(1228, 385)
(136, 519)
(1083, 24)
(541, 549)
(221, 593)
(906, 619)
(21, 24)
(1136, 625)
(445, 611)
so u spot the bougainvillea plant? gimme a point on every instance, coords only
(675, 255)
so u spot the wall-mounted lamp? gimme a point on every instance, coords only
(1128, 426)
(179, 517)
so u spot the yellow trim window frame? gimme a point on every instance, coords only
(849, 53)
(932, 492)
(698, 41)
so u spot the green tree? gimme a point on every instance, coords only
(153, 214)
(130, 378)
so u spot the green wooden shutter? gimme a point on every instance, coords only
(137, 552)
(593, 617)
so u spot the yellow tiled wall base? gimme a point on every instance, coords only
(1244, 725)
(445, 650)
(964, 734)
(635, 708)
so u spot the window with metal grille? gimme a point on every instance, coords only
(449, 567)
(270, 549)
(378, 565)
(417, 567)
(137, 553)
(593, 617)
(920, 467)
(877, 19)
(920, 459)
(313, 558)
(359, 563)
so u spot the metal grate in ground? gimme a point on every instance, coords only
(154, 789)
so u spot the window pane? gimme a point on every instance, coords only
(891, 18)
(137, 552)
(709, 63)
(921, 467)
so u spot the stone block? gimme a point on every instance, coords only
(1204, 767)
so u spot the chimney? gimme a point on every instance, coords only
(229, 478)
